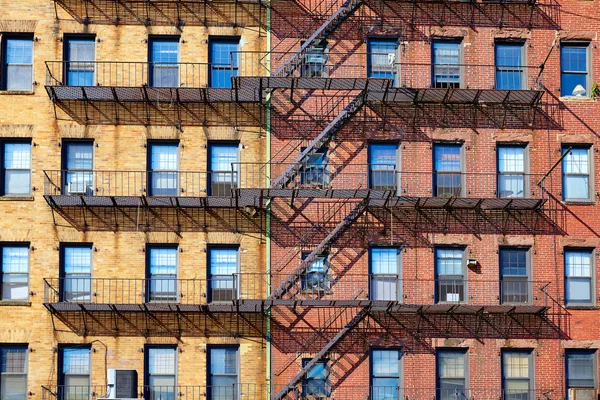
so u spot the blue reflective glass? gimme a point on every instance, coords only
(164, 56)
(223, 61)
(81, 54)
(447, 157)
(573, 67)
(382, 58)
(509, 66)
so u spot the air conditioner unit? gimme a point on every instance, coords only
(80, 188)
(583, 394)
(122, 384)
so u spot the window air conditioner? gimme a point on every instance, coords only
(122, 384)
(583, 394)
(80, 188)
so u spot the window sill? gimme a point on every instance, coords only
(17, 198)
(17, 92)
(582, 307)
(15, 303)
(576, 99)
(579, 203)
(320, 292)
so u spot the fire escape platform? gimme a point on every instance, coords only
(245, 306)
(323, 83)
(529, 98)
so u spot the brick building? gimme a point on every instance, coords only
(286, 199)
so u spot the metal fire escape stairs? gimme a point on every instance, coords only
(334, 20)
(298, 377)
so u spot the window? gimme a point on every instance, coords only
(517, 375)
(163, 54)
(223, 59)
(163, 166)
(78, 163)
(581, 374)
(510, 72)
(316, 381)
(223, 168)
(447, 170)
(15, 272)
(223, 372)
(80, 57)
(574, 68)
(76, 272)
(577, 185)
(386, 278)
(16, 167)
(314, 64)
(74, 372)
(449, 271)
(579, 285)
(17, 63)
(383, 165)
(512, 166)
(515, 275)
(382, 61)
(446, 63)
(452, 374)
(385, 374)
(13, 372)
(316, 275)
(162, 273)
(314, 173)
(223, 273)
(160, 379)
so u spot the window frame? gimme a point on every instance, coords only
(464, 274)
(326, 381)
(235, 181)
(61, 362)
(62, 263)
(462, 350)
(152, 39)
(67, 37)
(590, 174)
(4, 38)
(588, 65)
(400, 369)
(525, 173)
(531, 368)
(325, 282)
(147, 349)
(399, 276)
(593, 297)
(594, 354)
(461, 68)
(211, 65)
(26, 373)
(437, 172)
(65, 160)
(523, 66)
(149, 184)
(3, 169)
(235, 281)
(398, 163)
(210, 375)
(26, 245)
(148, 285)
(371, 73)
(528, 276)
(311, 69)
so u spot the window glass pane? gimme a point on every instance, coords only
(573, 58)
(516, 364)
(511, 159)
(78, 50)
(223, 361)
(446, 64)
(447, 158)
(19, 60)
(163, 261)
(451, 364)
(77, 260)
(384, 261)
(17, 155)
(15, 259)
(578, 263)
(161, 361)
(76, 361)
(509, 66)
(577, 187)
(382, 58)
(569, 82)
(224, 62)
(513, 262)
(13, 359)
(449, 261)
(17, 182)
(13, 387)
(383, 156)
(580, 369)
(385, 363)
(579, 290)
(577, 162)
(222, 157)
(164, 157)
(223, 261)
(79, 156)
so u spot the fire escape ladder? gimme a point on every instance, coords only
(323, 138)
(321, 33)
(290, 386)
(337, 230)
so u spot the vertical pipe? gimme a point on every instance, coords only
(268, 206)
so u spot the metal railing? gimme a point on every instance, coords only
(404, 183)
(400, 72)
(152, 74)
(307, 286)
(315, 390)
(138, 183)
